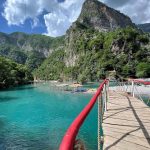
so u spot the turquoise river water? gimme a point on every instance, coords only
(35, 117)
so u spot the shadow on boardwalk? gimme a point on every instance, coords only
(140, 125)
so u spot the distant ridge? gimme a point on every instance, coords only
(144, 27)
(29, 49)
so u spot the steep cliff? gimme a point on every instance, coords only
(96, 16)
(101, 40)
(99, 16)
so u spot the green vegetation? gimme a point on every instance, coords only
(30, 50)
(85, 53)
(143, 70)
(52, 68)
(21, 54)
(34, 59)
(12, 74)
(123, 50)
(13, 53)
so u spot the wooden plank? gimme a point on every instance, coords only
(126, 136)
(111, 143)
(126, 124)
(138, 133)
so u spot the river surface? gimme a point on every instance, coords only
(35, 117)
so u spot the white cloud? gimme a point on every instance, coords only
(60, 16)
(56, 23)
(35, 23)
(59, 20)
(138, 11)
(17, 11)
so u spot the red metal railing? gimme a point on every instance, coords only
(133, 86)
(70, 136)
(141, 81)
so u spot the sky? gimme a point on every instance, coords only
(54, 17)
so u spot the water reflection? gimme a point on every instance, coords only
(28, 87)
(7, 98)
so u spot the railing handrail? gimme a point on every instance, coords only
(140, 81)
(70, 136)
(133, 85)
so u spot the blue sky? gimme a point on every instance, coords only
(26, 27)
(54, 17)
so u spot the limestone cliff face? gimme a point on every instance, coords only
(70, 38)
(94, 15)
(101, 17)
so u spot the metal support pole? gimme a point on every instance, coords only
(100, 118)
(108, 91)
(98, 127)
(108, 85)
(121, 86)
(105, 95)
(124, 86)
(102, 105)
(133, 89)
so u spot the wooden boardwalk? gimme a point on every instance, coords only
(126, 124)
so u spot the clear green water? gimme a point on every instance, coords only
(36, 118)
(146, 100)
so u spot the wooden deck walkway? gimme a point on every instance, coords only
(126, 124)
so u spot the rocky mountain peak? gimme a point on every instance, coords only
(87, 2)
(101, 17)
(94, 15)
